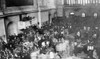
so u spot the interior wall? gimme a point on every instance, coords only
(44, 16)
(89, 10)
(13, 28)
(60, 11)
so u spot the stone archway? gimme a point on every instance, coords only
(12, 25)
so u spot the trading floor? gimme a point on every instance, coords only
(64, 38)
(69, 30)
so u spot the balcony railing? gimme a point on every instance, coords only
(81, 2)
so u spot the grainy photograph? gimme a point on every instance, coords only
(49, 29)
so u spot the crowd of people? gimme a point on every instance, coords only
(64, 38)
